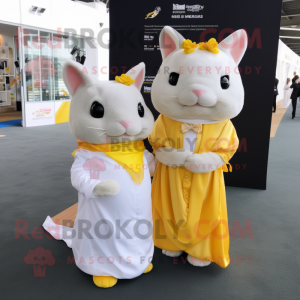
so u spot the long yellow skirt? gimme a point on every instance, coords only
(190, 213)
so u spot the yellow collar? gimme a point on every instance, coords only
(128, 155)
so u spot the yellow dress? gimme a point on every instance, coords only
(189, 209)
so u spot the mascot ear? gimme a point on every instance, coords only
(170, 40)
(137, 73)
(235, 45)
(75, 75)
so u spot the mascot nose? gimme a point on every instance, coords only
(125, 123)
(198, 93)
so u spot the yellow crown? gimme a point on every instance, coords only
(125, 79)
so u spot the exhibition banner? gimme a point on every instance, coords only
(134, 38)
(46, 112)
(40, 113)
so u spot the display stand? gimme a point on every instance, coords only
(6, 75)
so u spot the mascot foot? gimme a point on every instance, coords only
(197, 262)
(105, 281)
(150, 267)
(172, 253)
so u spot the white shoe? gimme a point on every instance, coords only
(172, 253)
(197, 262)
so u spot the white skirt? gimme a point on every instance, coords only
(112, 236)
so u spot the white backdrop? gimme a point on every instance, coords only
(288, 62)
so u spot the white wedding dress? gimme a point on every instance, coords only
(287, 97)
(123, 246)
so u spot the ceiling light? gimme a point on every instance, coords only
(78, 57)
(288, 28)
(82, 60)
(74, 50)
(290, 37)
(33, 8)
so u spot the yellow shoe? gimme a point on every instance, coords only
(105, 281)
(150, 267)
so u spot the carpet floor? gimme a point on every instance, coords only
(35, 183)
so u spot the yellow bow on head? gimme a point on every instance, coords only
(125, 79)
(195, 127)
(211, 46)
(188, 46)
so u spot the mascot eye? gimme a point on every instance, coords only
(141, 110)
(173, 79)
(97, 110)
(225, 82)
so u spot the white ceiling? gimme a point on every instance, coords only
(290, 24)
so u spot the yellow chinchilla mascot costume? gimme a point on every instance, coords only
(197, 91)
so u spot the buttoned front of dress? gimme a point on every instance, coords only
(190, 139)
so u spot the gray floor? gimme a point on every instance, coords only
(35, 182)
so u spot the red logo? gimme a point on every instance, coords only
(39, 259)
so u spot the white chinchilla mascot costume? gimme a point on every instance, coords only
(197, 91)
(112, 234)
